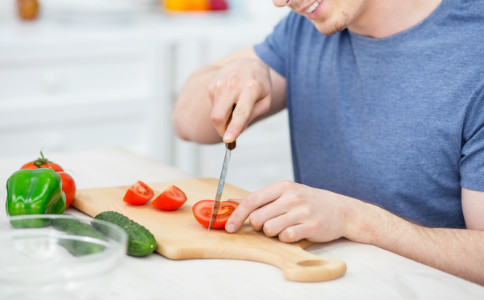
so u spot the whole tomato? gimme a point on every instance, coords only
(42, 162)
(68, 183)
(69, 187)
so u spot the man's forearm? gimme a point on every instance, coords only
(191, 116)
(456, 251)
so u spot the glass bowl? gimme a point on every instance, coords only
(58, 256)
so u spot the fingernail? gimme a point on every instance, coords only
(228, 137)
(229, 227)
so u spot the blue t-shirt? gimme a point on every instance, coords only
(395, 121)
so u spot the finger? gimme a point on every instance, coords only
(212, 87)
(253, 202)
(267, 212)
(294, 233)
(261, 107)
(275, 226)
(242, 111)
(222, 109)
(238, 200)
(215, 88)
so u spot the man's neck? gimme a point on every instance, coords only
(383, 18)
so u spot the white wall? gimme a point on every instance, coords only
(84, 80)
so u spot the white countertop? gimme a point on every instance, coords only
(372, 273)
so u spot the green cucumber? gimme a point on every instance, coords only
(140, 240)
(76, 227)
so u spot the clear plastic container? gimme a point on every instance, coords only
(58, 256)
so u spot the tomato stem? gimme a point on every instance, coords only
(41, 160)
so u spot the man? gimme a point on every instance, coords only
(386, 111)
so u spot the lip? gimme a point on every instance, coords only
(303, 10)
(315, 11)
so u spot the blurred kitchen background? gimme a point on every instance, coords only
(83, 74)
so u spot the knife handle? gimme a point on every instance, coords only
(230, 146)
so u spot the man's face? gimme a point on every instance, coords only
(329, 16)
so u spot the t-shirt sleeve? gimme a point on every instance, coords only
(273, 50)
(472, 156)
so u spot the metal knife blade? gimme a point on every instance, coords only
(221, 182)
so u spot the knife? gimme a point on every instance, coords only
(221, 182)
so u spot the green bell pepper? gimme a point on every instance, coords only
(34, 191)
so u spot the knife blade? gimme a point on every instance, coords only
(221, 182)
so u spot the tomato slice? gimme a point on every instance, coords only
(138, 194)
(171, 198)
(202, 210)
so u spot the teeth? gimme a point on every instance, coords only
(313, 7)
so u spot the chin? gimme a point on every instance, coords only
(333, 23)
(329, 29)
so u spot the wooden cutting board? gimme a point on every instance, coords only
(180, 236)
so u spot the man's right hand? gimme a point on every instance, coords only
(206, 101)
(244, 84)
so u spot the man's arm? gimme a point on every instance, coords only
(456, 251)
(206, 100)
(294, 211)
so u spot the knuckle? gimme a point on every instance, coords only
(305, 212)
(232, 82)
(269, 229)
(288, 235)
(254, 86)
(292, 235)
(293, 199)
(211, 87)
(254, 221)
(216, 119)
(240, 112)
(219, 83)
(236, 214)
(251, 200)
(285, 184)
(265, 106)
(252, 83)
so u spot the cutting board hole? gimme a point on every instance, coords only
(310, 263)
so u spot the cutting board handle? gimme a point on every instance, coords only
(300, 265)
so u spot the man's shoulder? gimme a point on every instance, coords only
(469, 12)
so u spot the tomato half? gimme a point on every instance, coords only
(202, 210)
(69, 187)
(171, 199)
(138, 194)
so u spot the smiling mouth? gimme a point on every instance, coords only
(313, 6)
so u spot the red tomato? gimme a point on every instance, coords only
(202, 211)
(69, 187)
(49, 165)
(171, 199)
(42, 162)
(138, 194)
(68, 183)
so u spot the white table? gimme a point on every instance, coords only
(372, 273)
